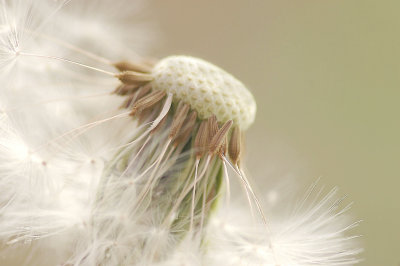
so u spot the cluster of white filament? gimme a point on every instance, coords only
(60, 127)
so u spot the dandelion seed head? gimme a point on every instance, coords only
(206, 88)
(86, 183)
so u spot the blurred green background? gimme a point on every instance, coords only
(326, 78)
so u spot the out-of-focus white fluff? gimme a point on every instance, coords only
(51, 167)
(312, 233)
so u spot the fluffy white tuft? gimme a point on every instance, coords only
(315, 232)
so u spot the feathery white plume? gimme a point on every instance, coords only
(82, 183)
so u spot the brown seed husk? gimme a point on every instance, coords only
(219, 137)
(179, 118)
(134, 78)
(201, 140)
(125, 89)
(212, 126)
(235, 145)
(187, 129)
(148, 101)
(130, 66)
(143, 91)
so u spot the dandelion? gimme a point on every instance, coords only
(107, 158)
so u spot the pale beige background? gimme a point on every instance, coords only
(326, 77)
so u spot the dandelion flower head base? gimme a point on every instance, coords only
(206, 91)
(207, 88)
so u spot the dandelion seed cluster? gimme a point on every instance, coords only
(108, 158)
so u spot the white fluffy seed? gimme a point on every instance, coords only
(206, 88)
